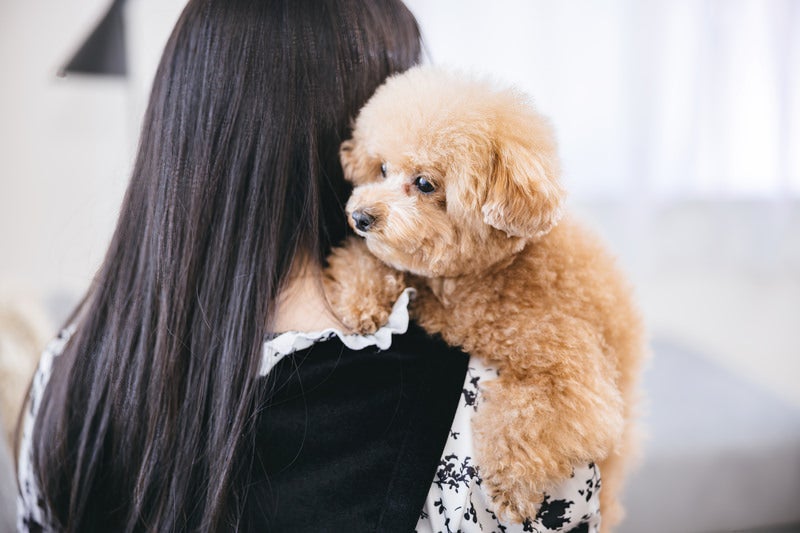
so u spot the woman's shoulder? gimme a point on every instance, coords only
(367, 416)
(399, 333)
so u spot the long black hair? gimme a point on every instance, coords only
(148, 420)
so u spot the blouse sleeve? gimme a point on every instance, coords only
(31, 512)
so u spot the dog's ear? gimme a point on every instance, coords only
(524, 197)
(358, 166)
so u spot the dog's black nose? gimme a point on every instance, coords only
(362, 220)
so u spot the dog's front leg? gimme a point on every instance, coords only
(360, 289)
(534, 427)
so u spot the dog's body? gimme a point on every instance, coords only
(456, 184)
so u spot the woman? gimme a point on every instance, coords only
(150, 411)
(236, 196)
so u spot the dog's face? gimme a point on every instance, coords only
(451, 174)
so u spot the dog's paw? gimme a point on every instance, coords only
(512, 505)
(356, 307)
(360, 289)
(362, 318)
(517, 481)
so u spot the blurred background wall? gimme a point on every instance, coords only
(679, 125)
(678, 120)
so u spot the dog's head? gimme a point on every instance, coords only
(451, 174)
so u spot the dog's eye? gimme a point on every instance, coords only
(423, 185)
(383, 169)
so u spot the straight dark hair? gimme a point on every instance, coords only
(148, 421)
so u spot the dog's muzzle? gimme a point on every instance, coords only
(362, 221)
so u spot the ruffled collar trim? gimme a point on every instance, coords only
(284, 344)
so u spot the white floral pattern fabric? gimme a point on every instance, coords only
(31, 515)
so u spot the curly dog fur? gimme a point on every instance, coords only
(457, 191)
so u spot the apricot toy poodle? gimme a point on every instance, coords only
(457, 194)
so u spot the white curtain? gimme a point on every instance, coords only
(652, 99)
